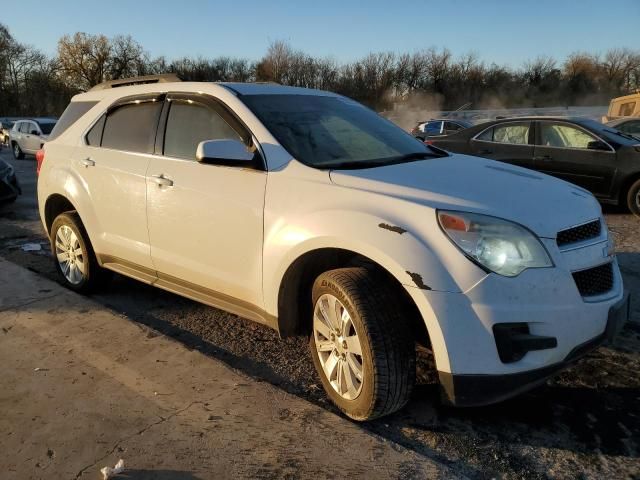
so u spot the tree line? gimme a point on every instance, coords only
(32, 83)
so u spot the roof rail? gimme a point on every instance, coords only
(125, 82)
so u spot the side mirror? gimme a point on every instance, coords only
(597, 145)
(223, 152)
(35, 132)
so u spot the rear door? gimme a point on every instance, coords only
(509, 142)
(19, 133)
(32, 141)
(562, 150)
(114, 166)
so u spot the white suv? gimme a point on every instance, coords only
(307, 212)
(28, 136)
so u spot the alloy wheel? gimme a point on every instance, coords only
(338, 346)
(69, 254)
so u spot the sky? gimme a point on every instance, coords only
(507, 32)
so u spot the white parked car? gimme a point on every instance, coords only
(28, 136)
(307, 212)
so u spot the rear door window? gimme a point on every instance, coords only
(73, 112)
(433, 128)
(511, 133)
(132, 127)
(450, 127)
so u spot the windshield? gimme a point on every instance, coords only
(334, 132)
(46, 127)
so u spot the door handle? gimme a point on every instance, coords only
(161, 180)
(87, 162)
(485, 151)
(544, 158)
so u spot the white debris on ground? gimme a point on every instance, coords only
(31, 247)
(108, 472)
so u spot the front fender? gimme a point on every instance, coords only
(402, 253)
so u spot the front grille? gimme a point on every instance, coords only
(594, 281)
(580, 233)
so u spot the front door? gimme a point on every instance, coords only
(510, 142)
(205, 221)
(562, 150)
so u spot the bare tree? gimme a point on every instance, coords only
(127, 58)
(84, 59)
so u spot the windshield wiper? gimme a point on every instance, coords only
(383, 162)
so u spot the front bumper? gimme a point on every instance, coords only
(476, 390)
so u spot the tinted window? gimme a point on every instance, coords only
(452, 127)
(188, 124)
(132, 127)
(332, 132)
(563, 136)
(626, 109)
(73, 112)
(632, 128)
(24, 127)
(513, 133)
(94, 137)
(46, 127)
(433, 127)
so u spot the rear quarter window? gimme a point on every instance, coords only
(71, 114)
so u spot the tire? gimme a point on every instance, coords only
(633, 198)
(18, 154)
(67, 230)
(387, 351)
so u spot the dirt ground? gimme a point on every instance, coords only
(585, 423)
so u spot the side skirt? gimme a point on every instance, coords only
(189, 290)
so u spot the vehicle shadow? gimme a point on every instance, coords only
(581, 411)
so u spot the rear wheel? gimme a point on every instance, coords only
(633, 198)
(17, 151)
(360, 344)
(73, 254)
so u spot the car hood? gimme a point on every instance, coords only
(542, 203)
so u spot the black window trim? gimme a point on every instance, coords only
(538, 137)
(225, 112)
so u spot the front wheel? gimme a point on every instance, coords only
(360, 343)
(18, 154)
(633, 198)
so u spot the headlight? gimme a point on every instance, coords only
(497, 245)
